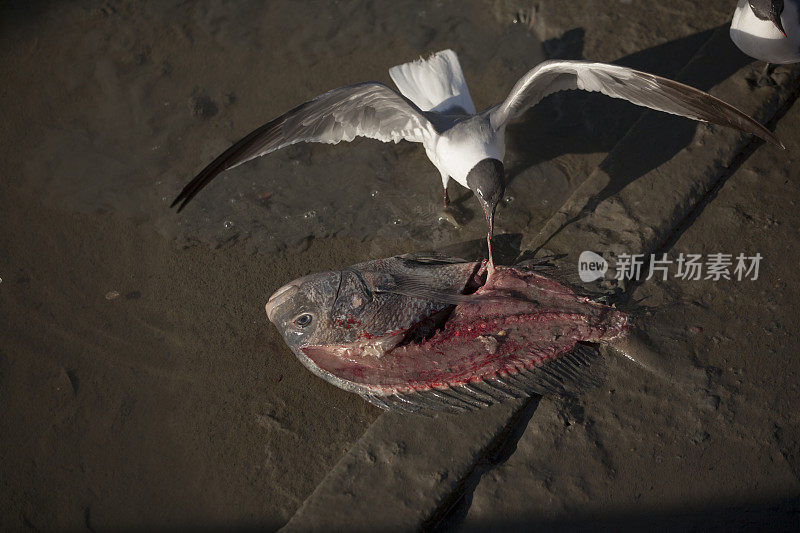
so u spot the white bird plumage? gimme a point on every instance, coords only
(761, 38)
(436, 110)
(434, 84)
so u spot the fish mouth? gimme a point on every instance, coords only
(280, 296)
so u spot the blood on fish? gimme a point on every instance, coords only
(515, 326)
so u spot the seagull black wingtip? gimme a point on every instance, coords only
(772, 139)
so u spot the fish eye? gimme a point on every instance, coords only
(303, 320)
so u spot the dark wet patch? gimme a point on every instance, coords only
(203, 106)
(133, 295)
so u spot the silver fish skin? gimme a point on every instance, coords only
(368, 308)
(420, 334)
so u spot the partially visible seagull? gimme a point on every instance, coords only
(435, 109)
(768, 30)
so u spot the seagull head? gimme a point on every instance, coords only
(486, 180)
(769, 10)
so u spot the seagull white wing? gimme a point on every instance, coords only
(363, 110)
(637, 87)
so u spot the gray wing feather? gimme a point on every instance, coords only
(366, 109)
(637, 87)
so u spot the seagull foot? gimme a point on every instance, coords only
(452, 217)
(763, 78)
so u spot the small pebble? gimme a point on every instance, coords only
(112, 295)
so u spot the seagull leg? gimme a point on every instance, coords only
(766, 79)
(449, 214)
(445, 182)
(762, 78)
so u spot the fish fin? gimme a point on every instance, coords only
(568, 278)
(377, 401)
(420, 287)
(580, 369)
(433, 295)
(408, 403)
(429, 258)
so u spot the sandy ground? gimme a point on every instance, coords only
(140, 382)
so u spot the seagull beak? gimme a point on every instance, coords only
(488, 212)
(779, 25)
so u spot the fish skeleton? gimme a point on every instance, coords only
(421, 332)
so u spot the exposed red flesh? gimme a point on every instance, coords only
(536, 320)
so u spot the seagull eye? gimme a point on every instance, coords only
(303, 320)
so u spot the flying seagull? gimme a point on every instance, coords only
(768, 30)
(435, 109)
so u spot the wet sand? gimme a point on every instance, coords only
(142, 384)
(175, 403)
(171, 404)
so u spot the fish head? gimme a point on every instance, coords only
(372, 305)
(361, 312)
(300, 309)
(336, 309)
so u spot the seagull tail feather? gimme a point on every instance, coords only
(434, 84)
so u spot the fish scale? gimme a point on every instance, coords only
(515, 334)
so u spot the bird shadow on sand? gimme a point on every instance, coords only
(581, 122)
